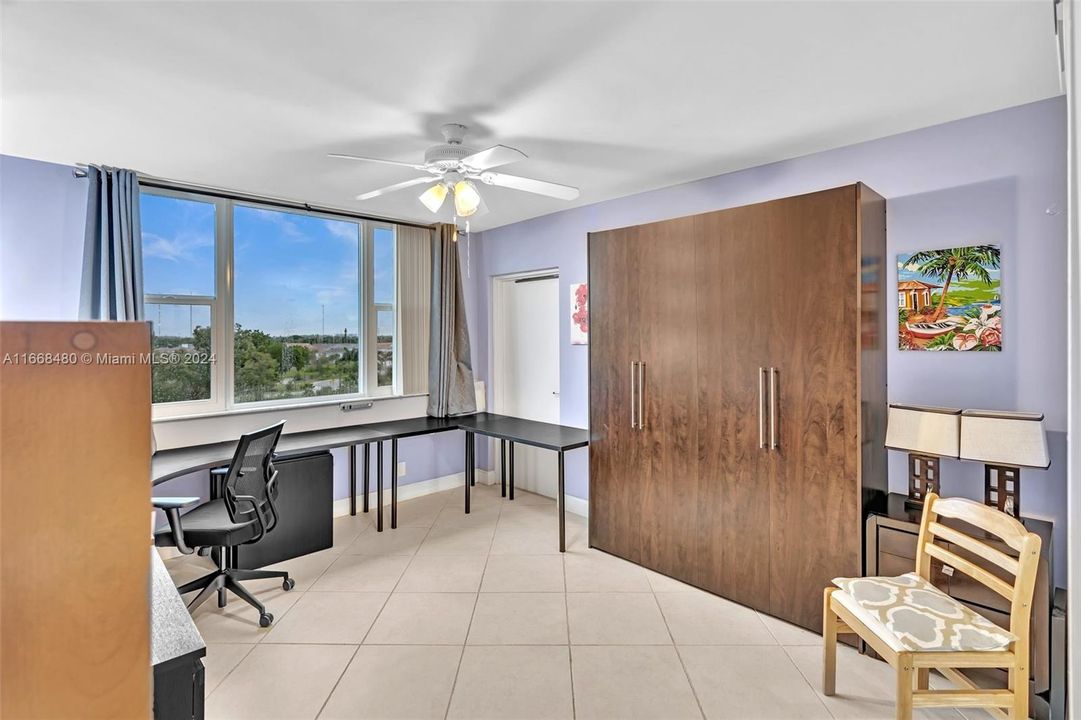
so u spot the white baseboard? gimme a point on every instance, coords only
(576, 505)
(417, 489)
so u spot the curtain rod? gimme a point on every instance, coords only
(79, 171)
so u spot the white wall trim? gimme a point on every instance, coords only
(454, 481)
(575, 505)
(578, 506)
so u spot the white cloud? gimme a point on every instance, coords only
(183, 246)
(348, 232)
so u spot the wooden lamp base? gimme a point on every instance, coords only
(923, 478)
(1002, 488)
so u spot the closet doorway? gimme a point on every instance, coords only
(525, 365)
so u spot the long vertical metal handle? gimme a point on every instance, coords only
(641, 395)
(773, 408)
(634, 407)
(761, 408)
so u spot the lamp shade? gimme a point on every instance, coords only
(434, 196)
(466, 198)
(1004, 438)
(924, 430)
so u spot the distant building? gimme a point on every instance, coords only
(914, 294)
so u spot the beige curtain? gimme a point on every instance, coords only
(450, 370)
(415, 306)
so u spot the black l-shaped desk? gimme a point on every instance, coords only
(169, 464)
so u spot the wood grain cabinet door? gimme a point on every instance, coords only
(668, 429)
(814, 347)
(616, 474)
(733, 514)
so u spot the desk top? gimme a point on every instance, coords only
(168, 464)
(527, 432)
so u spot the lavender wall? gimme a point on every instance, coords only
(42, 218)
(996, 178)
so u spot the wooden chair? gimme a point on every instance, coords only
(913, 656)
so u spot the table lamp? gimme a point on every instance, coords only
(927, 433)
(1005, 442)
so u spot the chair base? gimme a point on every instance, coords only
(228, 579)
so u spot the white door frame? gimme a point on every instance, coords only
(500, 284)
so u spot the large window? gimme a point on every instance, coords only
(252, 304)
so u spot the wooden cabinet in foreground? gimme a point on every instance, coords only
(74, 520)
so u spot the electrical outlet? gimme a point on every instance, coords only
(401, 469)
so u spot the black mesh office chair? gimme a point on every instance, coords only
(243, 514)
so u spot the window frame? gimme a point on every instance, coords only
(219, 317)
(222, 311)
(370, 370)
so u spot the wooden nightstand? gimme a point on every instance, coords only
(891, 550)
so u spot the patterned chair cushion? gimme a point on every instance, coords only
(912, 615)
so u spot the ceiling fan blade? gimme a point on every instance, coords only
(397, 186)
(493, 157)
(540, 187)
(342, 156)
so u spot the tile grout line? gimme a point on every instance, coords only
(679, 656)
(226, 676)
(810, 684)
(469, 627)
(374, 619)
(570, 650)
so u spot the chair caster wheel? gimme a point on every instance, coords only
(289, 584)
(265, 619)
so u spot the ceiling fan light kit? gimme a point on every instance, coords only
(454, 168)
(466, 198)
(434, 196)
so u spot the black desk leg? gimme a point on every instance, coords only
(367, 472)
(379, 486)
(503, 468)
(469, 446)
(510, 469)
(352, 479)
(393, 483)
(561, 490)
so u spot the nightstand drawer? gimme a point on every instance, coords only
(898, 542)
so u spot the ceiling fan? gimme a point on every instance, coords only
(453, 168)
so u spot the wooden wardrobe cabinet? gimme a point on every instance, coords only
(737, 395)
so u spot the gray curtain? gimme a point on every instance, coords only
(112, 254)
(450, 370)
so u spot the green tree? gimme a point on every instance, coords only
(256, 363)
(177, 377)
(300, 356)
(956, 264)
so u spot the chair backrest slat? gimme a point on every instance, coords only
(975, 547)
(990, 520)
(971, 569)
(986, 518)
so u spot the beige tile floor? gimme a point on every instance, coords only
(479, 616)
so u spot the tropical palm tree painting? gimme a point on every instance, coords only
(950, 299)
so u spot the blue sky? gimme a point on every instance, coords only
(288, 267)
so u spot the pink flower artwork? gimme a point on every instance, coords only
(579, 314)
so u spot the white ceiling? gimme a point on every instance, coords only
(612, 97)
